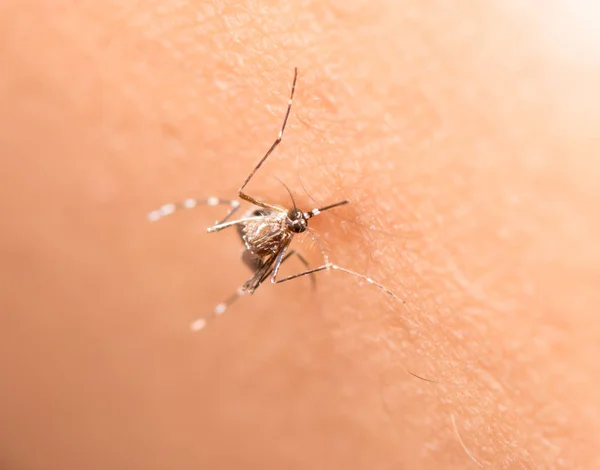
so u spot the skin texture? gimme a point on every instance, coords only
(467, 141)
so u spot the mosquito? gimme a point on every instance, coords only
(266, 231)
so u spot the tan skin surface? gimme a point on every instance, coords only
(467, 142)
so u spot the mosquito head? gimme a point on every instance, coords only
(296, 221)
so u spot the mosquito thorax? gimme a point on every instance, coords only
(296, 221)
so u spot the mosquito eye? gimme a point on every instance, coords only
(296, 223)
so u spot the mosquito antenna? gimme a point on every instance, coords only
(314, 211)
(320, 209)
(306, 191)
(288, 190)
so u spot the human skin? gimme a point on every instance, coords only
(466, 140)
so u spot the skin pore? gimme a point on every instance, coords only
(466, 141)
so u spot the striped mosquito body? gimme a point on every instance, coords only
(266, 232)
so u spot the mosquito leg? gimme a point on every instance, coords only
(220, 226)
(330, 266)
(168, 209)
(285, 258)
(335, 267)
(303, 273)
(219, 309)
(370, 280)
(200, 323)
(241, 193)
(338, 268)
(278, 262)
(313, 279)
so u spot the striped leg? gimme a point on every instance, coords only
(335, 267)
(219, 309)
(329, 266)
(172, 207)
